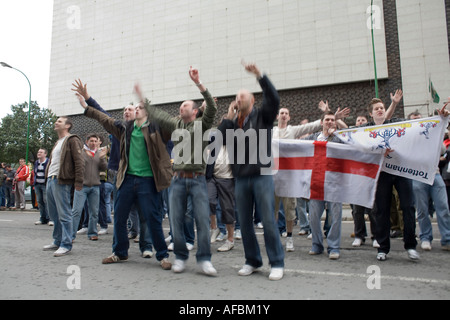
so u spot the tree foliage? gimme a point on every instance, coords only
(13, 132)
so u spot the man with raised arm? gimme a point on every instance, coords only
(189, 174)
(144, 171)
(249, 157)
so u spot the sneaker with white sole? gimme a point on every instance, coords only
(147, 254)
(426, 245)
(227, 246)
(238, 234)
(221, 237)
(50, 247)
(189, 246)
(413, 254)
(214, 233)
(334, 255)
(357, 242)
(165, 264)
(381, 256)
(178, 265)
(246, 270)
(61, 252)
(290, 244)
(207, 268)
(103, 231)
(82, 231)
(375, 244)
(276, 274)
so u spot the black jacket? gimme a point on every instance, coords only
(249, 158)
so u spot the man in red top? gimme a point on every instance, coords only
(22, 174)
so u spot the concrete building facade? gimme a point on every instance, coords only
(311, 50)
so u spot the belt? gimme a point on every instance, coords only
(188, 174)
(52, 178)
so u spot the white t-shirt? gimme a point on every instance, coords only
(53, 169)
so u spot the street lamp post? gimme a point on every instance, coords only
(29, 107)
(373, 48)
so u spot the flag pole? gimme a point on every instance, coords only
(373, 49)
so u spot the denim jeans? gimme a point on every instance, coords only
(258, 190)
(41, 195)
(316, 209)
(142, 191)
(92, 195)
(302, 212)
(109, 188)
(437, 192)
(180, 190)
(60, 212)
(383, 201)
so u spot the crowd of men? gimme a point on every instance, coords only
(144, 176)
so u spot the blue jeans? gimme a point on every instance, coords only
(109, 188)
(258, 190)
(92, 194)
(438, 194)
(60, 212)
(180, 190)
(316, 208)
(142, 191)
(41, 195)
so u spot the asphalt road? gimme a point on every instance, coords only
(28, 272)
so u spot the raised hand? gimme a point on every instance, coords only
(342, 114)
(251, 68)
(82, 100)
(193, 73)
(444, 112)
(324, 106)
(395, 98)
(81, 89)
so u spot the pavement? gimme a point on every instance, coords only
(28, 272)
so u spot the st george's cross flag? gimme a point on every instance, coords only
(325, 171)
(416, 144)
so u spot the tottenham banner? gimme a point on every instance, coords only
(326, 171)
(416, 144)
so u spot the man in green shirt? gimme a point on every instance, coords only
(144, 171)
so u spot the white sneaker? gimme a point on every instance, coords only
(189, 246)
(238, 234)
(413, 254)
(357, 242)
(178, 266)
(82, 231)
(50, 247)
(276, 274)
(61, 252)
(309, 237)
(333, 255)
(426, 245)
(246, 270)
(214, 233)
(381, 256)
(290, 244)
(259, 225)
(51, 223)
(375, 244)
(227, 246)
(37, 223)
(207, 268)
(170, 246)
(168, 239)
(221, 237)
(103, 231)
(147, 254)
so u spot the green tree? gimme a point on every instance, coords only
(13, 132)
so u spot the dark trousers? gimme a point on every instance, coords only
(383, 201)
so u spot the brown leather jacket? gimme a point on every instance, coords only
(71, 170)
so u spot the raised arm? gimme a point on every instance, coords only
(211, 108)
(271, 99)
(395, 100)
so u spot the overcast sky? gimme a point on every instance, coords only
(26, 29)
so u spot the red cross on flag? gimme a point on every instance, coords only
(326, 171)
